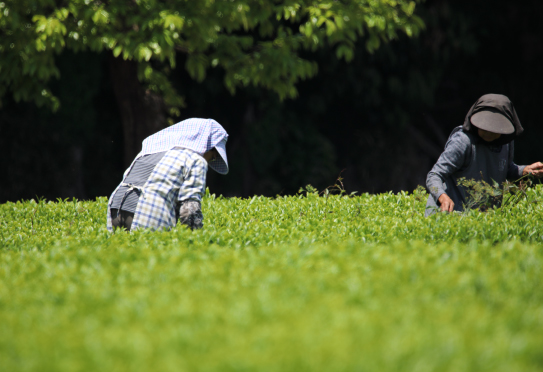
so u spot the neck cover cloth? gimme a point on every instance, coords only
(496, 103)
(199, 135)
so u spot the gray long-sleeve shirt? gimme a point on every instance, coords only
(468, 156)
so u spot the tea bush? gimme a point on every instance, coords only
(296, 283)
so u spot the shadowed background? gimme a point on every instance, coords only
(382, 119)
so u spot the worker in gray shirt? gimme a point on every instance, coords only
(481, 149)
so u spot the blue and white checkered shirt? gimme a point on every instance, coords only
(178, 177)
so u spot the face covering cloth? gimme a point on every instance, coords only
(497, 103)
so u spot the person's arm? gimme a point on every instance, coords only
(454, 157)
(536, 169)
(190, 195)
(515, 171)
(190, 214)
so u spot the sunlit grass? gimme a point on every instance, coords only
(274, 284)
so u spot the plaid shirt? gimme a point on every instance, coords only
(179, 176)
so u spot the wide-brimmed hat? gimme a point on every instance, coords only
(196, 134)
(220, 163)
(495, 103)
(493, 121)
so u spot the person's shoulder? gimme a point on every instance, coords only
(459, 134)
(459, 143)
(185, 155)
(190, 160)
(195, 160)
(460, 138)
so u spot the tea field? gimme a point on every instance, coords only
(296, 283)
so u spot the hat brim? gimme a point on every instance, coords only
(220, 164)
(493, 122)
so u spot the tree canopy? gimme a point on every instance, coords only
(255, 42)
(383, 118)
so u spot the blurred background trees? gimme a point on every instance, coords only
(381, 111)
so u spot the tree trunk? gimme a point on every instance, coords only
(141, 111)
(248, 187)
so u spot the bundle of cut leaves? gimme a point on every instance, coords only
(485, 196)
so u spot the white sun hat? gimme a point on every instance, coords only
(199, 135)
